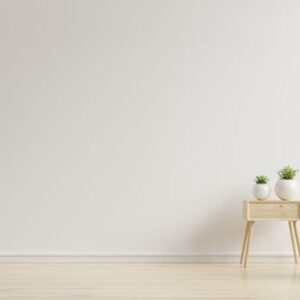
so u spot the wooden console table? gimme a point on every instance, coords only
(267, 210)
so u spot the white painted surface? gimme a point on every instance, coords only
(78, 259)
(137, 127)
(261, 191)
(287, 189)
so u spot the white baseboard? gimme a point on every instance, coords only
(66, 258)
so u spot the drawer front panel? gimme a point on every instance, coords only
(273, 211)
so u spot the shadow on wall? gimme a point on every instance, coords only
(223, 231)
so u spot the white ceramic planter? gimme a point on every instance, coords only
(287, 189)
(261, 191)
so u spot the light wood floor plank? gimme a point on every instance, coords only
(148, 281)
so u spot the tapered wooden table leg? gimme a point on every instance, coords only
(244, 242)
(293, 238)
(297, 238)
(274, 210)
(249, 235)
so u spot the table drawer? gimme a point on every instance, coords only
(273, 211)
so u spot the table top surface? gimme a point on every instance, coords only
(272, 201)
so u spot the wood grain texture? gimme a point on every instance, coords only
(248, 240)
(278, 210)
(297, 237)
(244, 243)
(271, 210)
(262, 202)
(148, 281)
(293, 239)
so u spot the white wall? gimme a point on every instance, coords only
(136, 127)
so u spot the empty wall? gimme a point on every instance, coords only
(137, 127)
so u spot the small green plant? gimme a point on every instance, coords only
(287, 173)
(261, 179)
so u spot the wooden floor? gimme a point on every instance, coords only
(148, 281)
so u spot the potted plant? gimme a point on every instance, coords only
(261, 189)
(287, 188)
